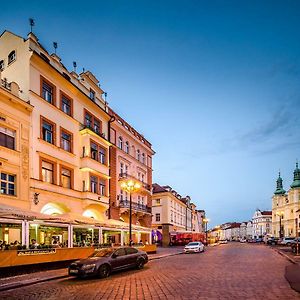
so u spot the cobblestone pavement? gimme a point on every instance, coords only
(232, 271)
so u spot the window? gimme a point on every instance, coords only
(11, 56)
(102, 187)
(143, 177)
(1, 65)
(66, 140)
(92, 122)
(47, 91)
(143, 158)
(94, 183)
(121, 168)
(126, 169)
(138, 154)
(98, 185)
(66, 177)
(157, 217)
(7, 138)
(120, 252)
(92, 95)
(157, 201)
(47, 172)
(131, 251)
(120, 143)
(98, 153)
(47, 130)
(127, 147)
(8, 184)
(66, 104)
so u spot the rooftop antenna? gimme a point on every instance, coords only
(105, 95)
(31, 23)
(83, 70)
(55, 46)
(74, 66)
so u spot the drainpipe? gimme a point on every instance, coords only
(112, 119)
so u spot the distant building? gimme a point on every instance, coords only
(262, 223)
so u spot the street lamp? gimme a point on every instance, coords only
(130, 186)
(205, 221)
(280, 214)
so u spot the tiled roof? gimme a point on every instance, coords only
(158, 189)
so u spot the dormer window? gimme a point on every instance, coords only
(1, 65)
(11, 56)
(92, 95)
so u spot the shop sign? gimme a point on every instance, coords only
(36, 252)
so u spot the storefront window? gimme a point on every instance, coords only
(85, 237)
(10, 236)
(46, 236)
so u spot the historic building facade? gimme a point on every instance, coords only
(60, 131)
(262, 223)
(131, 158)
(286, 208)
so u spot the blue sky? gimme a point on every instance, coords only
(214, 85)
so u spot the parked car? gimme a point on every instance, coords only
(286, 241)
(104, 261)
(272, 241)
(243, 240)
(194, 247)
(223, 241)
(258, 240)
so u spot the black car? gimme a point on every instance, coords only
(104, 261)
(272, 241)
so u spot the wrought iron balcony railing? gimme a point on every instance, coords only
(134, 206)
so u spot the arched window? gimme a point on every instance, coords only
(120, 142)
(138, 154)
(11, 56)
(127, 147)
(143, 158)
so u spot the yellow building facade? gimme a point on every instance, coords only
(286, 208)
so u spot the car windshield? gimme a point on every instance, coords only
(192, 244)
(102, 253)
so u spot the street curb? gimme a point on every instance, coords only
(10, 286)
(285, 255)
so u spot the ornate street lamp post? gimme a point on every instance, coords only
(205, 221)
(130, 186)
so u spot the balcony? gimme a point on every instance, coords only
(135, 206)
(124, 176)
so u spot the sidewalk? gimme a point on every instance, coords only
(33, 278)
(292, 272)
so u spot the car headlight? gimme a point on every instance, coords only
(87, 267)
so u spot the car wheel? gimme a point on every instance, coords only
(104, 271)
(140, 264)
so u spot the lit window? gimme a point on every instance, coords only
(8, 184)
(157, 201)
(48, 131)
(47, 172)
(11, 56)
(65, 177)
(7, 138)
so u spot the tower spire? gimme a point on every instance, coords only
(279, 186)
(296, 182)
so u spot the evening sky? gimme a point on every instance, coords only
(213, 85)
